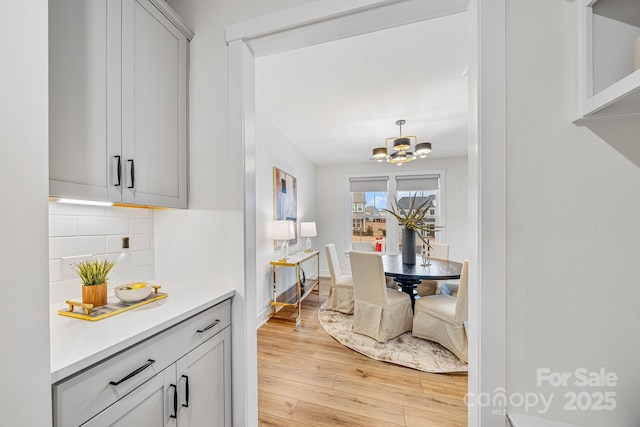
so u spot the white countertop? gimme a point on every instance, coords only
(77, 344)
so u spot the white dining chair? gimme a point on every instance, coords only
(379, 312)
(440, 318)
(431, 287)
(341, 291)
(369, 247)
(362, 246)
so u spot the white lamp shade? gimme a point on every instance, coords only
(308, 229)
(283, 230)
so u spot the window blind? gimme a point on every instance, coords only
(417, 182)
(360, 185)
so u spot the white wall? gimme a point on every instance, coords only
(79, 232)
(213, 184)
(25, 397)
(274, 150)
(211, 241)
(573, 197)
(333, 197)
(213, 172)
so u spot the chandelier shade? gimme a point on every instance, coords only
(423, 149)
(403, 151)
(401, 144)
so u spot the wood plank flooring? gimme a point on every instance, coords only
(306, 378)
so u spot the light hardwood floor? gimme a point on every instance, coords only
(306, 378)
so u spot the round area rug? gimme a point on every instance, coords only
(405, 350)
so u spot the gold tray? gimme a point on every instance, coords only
(111, 308)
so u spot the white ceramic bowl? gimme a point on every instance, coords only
(132, 295)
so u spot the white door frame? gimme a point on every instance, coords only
(327, 20)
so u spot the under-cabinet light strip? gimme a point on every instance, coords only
(84, 202)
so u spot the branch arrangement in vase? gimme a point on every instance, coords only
(413, 218)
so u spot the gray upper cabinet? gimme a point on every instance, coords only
(118, 102)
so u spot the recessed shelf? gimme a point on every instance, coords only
(609, 83)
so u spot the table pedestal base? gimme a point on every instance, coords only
(408, 285)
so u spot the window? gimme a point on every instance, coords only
(425, 188)
(369, 199)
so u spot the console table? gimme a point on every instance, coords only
(290, 299)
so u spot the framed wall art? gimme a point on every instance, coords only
(285, 199)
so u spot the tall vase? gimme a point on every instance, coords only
(408, 246)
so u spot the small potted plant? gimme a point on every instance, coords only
(93, 274)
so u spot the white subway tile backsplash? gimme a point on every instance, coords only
(77, 232)
(142, 225)
(62, 225)
(145, 273)
(139, 242)
(91, 225)
(76, 210)
(67, 271)
(65, 290)
(129, 212)
(114, 243)
(141, 258)
(55, 270)
(60, 247)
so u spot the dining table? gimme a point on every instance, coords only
(408, 276)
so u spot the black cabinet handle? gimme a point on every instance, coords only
(134, 373)
(119, 170)
(208, 327)
(186, 391)
(175, 401)
(133, 173)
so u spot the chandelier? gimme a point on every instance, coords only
(402, 150)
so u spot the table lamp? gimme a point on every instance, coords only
(308, 230)
(285, 231)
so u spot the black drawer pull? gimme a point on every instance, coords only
(175, 401)
(208, 327)
(186, 391)
(134, 373)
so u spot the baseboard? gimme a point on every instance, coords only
(262, 318)
(521, 420)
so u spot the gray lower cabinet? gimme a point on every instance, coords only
(180, 377)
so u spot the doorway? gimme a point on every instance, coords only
(314, 23)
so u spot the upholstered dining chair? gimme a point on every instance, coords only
(362, 246)
(440, 318)
(379, 312)
(341, 291)
(369, 247)
(430, 287)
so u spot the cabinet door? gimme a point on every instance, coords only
(84, 98)
(154, 82)
(150, 405)
(204, 374)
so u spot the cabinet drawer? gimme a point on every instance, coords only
(82, 396)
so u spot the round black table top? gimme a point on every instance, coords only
(439, 269)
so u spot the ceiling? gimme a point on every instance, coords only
(337, 101)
